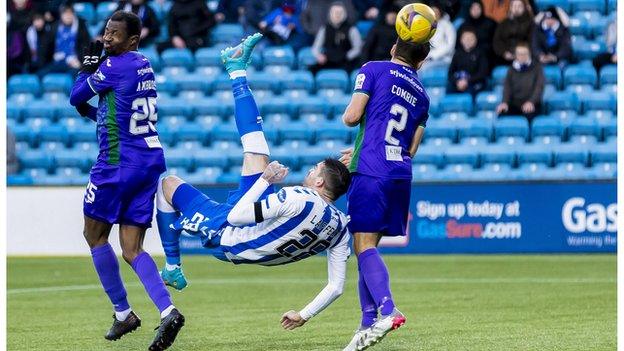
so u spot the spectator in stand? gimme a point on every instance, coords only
(552, 41)
(496, 9)
(368, 10)
(281, 26)
(381, 38)
(314, 14)
(469, 68)
(149, 21)
(449, 7)
(67, 37)
(517, 28)
(190, 22)
(609, 57)
(443, 41)
(483, 26)
(50, 8)
(12, 162)
(524, 85)
(19, 18)
(230, 11)
(38, 39)
(338, 43)
(256, 11)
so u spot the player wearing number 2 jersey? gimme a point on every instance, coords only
(256, 225)
(124, 179)
(391, 107)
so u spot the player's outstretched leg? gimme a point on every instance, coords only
(167, 331)
(375, 273)
(166, 215)
(369, 316)
(124, 320)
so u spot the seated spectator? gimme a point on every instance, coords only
(256, 11)
(230, 11)
(190, 22)
(19, 18)
(517, 28)
(552, 42)
(38, 41)
(368, 10)
(338, 43)
(609, 57)
(484, 27)
(496, 9)
(67, 37)
(381, 38)
(282, 24)
(314, 14)
(50, 8)
(524, 85)
(469, 68)
(443, 41)
(150, 26)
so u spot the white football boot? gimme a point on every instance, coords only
(382, 327)
(358, 340)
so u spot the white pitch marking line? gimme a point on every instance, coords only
(65, 288)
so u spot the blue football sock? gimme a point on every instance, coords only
(107, 268)
(169, 237)
(245, 109)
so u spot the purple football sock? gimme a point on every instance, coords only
(107, 268)
(375, 274)
(369, 309)
(146, 270)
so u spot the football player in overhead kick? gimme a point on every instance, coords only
(256, 225)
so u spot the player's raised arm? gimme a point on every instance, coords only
(82, 92)
(337, 274)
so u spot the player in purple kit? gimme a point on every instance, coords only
(124, 179)
(391, 107)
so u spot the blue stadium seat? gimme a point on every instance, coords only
(73, 158)
(437, 128)
(498, 154)
(579, 26)
(588, 5)
(529, 171)
(57, 82)
(534, 153)
(226, 132)
(474, 141)
(190, 81)
(86, 11)
(332, 79)
(193, 131)
(305, 58)
(174, 107)
(434, 77)
(54, 132)
(178, 58)
(461, 155)
(279, 55)
(569, 171)
(278, 105)
(492, 172)
(498, 75)
(182, 172)
(423, 172)
(339, 105)
(579, 74)
(154, 58)
(36, 159)
(604, 170)
(546, 126)
(455, 172)
(209, 107)
(277, 70)
(204, 175)
(584, 126)
(609, 128)
(20, 99)
(579, 89)
(562, 101)
(208, 57)
(40, 109)
(429, 155)
(488, 101)
(604, 153)
(553, 75)
(227, 33)
(14, 113)
(585, 49)
(24, 83)
(456, 103)
(209, 158)
(598, 101)
(288, 154)
(364, 27)
(566, 153)
(105, 9)
(263, 81)
(545, 4)
(178, 157)
(296, 131)
(512, 127)
(478, 127)
(335, 130)
(314, 105)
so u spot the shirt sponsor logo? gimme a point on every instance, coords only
(359, 81)
(146, 85)
(407, 78)
(145, 70)
(393, 153)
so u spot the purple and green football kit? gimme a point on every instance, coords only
(124, 179)
(379, 194)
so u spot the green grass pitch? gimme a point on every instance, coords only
(552, 302)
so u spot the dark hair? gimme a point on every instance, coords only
(337, 178)
(523, 44)
(133, 22)
(412, 53)
(64, 8)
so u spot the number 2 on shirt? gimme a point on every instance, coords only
(393, 150)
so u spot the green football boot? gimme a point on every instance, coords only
(174, 278)
(238, 57)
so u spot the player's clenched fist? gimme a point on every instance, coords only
(292, 320)
(347, 155)
(92, 57)
(275, 172)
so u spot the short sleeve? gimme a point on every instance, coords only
(365, 80)
(105, 78)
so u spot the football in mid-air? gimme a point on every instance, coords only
(416, 23)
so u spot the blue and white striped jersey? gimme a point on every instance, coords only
(297, 224)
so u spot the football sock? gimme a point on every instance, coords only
(121, 316)
(369, 309)
(248, 120)
(171, 267)
(170, 238)
(146, 270)
(166, 311)
(375, 273)
(107, 268)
